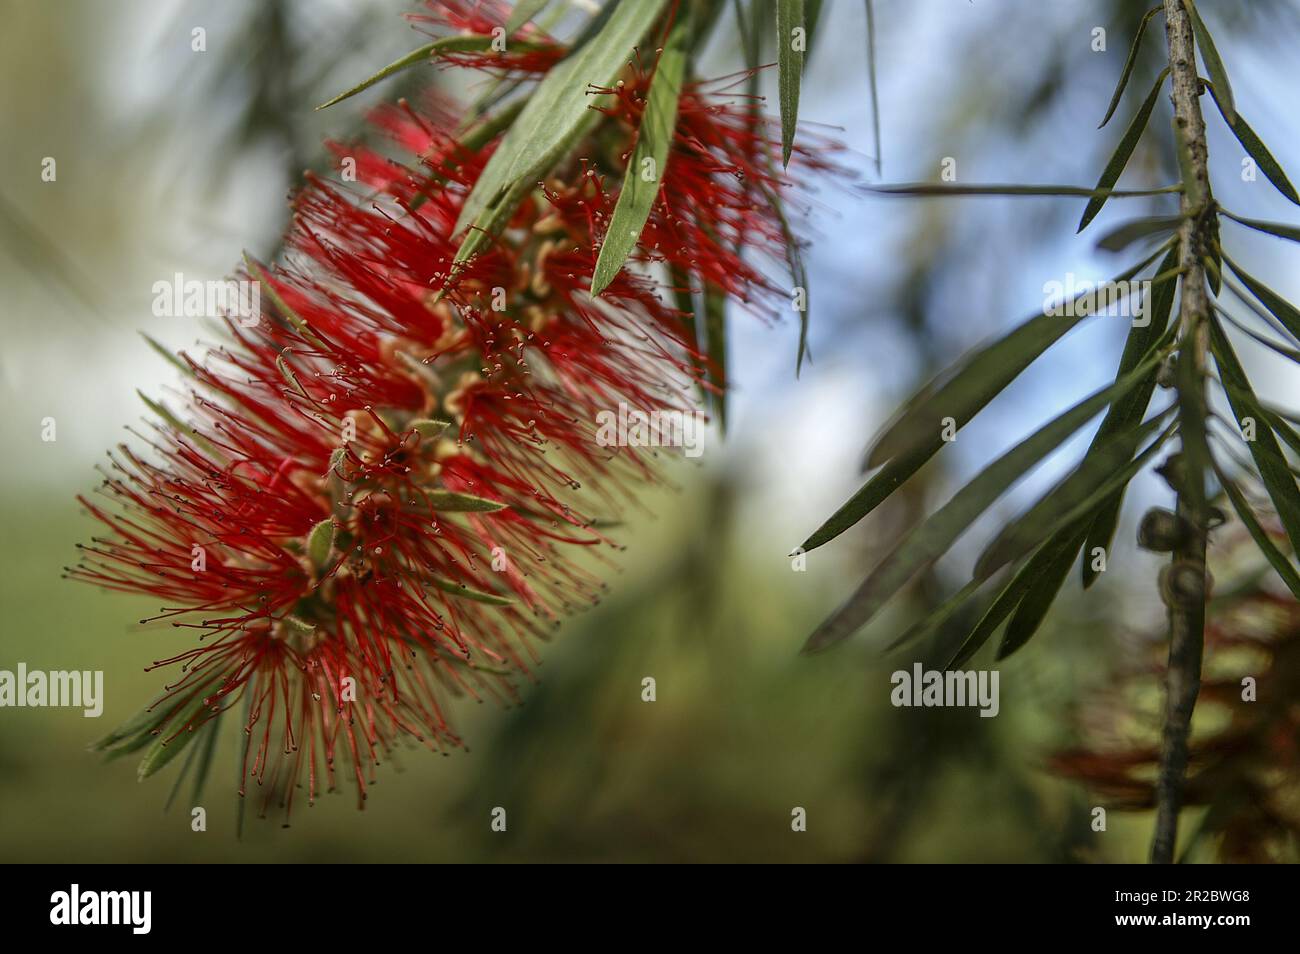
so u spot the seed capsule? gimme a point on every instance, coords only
(1162, 531)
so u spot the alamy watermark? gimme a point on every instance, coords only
(1114, 299)
(75, 906)
(59, 688)
(630, 427)
(180, 298)
(949, 688)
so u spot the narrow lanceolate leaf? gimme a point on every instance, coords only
(466, 43)
(648, 163)
(1025, 579)
(791, 41)
(1127, 71)
(473, 139)
(1256, 149)
(449, 500)
(180, 426)
(684, 301)
(1213, 63)
(141, 724)
(874, 492)
(1102, 472)
(1038, 599)
(1124, 235)
(1280, 229)
(937, 618)
(715, 348)
(1277, 306)
(1276, 558)
(871, 82)
(1273, 469)
(203, 767)
(320, 542)
(553, 119)
(932, 538)
(947, 189)
(916, 434)
(812, 14)
(460, 589)
(168, 356)
(981, 376)
(173, 737)
(1291, 354)
(1119, 159)
(798, 274)
(288, 314)
(1130, 409)
(524, 11)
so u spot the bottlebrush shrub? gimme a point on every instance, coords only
(378, 497)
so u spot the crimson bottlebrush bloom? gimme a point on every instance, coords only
(384, 492)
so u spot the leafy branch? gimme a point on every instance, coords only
(1170, 351)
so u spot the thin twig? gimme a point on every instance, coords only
(1184, 587)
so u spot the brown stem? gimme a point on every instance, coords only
(1184, 583)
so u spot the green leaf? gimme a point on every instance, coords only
(790, 44)
(1290, 354)
(1256, 149)
(460, 589)
(1025, 579)
(938, 617)
(874, 492)
(715, 341)
(962, 392)
(931, 539)
(1273, 468)
(320, 542)
(871, 82)
(203, 768)
(1277, 306)
(1105, 469)
(1125, 234)
(798, 274)
(1129, 410)
(1110, 175)
(552, 121)
(140, 724)
(1210, 54)
(1127, 71)
(1011, 189)
(1280, 229)
(287, 313)
(1275, 557)
(461, 43)
(1038, 599)
(453, 502)
(654, 136)
(524, 11)
(168, 356)
(474, 139)
(812, 13)
(979, 378)
(175, 736)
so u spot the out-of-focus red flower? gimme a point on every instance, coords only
(1244, 755)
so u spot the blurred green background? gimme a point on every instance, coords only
(170, 160)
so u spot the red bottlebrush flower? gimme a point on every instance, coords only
(382, 492)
